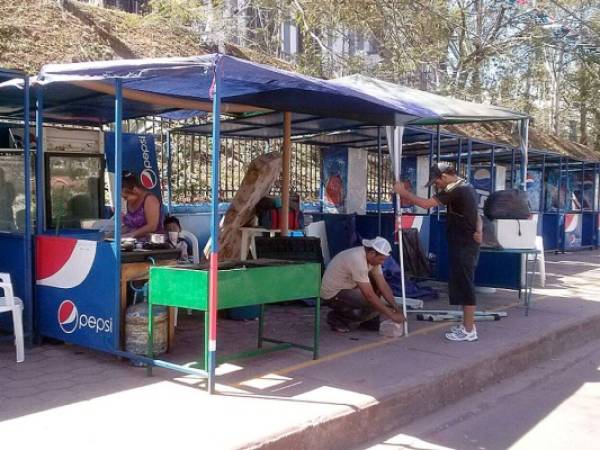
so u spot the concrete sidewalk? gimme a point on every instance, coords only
(363, 385)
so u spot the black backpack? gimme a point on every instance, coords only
(508, 204)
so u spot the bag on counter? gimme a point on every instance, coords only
(507, 204)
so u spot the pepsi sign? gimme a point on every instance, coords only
(77, 293)
(138, 157)
(70, 320)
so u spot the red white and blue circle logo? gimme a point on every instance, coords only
(68, 316)
(148, 178)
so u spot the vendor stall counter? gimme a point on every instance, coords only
(256, 282)
(76, 289)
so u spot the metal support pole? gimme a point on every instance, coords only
(27, 238)
(459, 156)
(543, 194)
(595, 206)
(438, 143)
(469, 156)
(582, 187)
(285, 185)
(379, 161)
(116, 245)
(524, 137)
(493, 171)
(214, 232)
(40, 204)
(169, 173)
(430, 161)
(512, 169)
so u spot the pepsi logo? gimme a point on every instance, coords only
(571, 222)
(148, 178)
(68, 316)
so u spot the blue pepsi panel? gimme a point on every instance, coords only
(588, 229)
(573, 227)
(334, 186)
(499, 270)
(550, 231)
(139, 157)
(76, 292)
(12, 261)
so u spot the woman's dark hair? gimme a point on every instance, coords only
(130, 181)
(171, 219)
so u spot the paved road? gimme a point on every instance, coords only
(553, 406)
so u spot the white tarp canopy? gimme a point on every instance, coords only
(433, 109)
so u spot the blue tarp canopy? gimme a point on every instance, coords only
(83, 92)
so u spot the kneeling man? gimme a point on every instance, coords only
(353, 285)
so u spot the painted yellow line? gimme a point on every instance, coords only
(361, 348)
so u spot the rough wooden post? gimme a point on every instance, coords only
(285, 185)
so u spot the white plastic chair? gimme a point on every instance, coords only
(192, 239)
(10, 303)
(188, 236)
(540, 267)
(541, 261)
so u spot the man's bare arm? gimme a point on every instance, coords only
(369, 294)
(425, 203)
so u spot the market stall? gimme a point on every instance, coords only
(90, 94)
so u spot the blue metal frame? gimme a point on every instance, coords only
(116, 245)
(27, 238)
(40, 195)
(214, 225)
(379, 161)
(169, 173)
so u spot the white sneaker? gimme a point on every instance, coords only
(459, 333)
(455, 328)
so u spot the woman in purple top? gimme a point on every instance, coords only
(143, 209)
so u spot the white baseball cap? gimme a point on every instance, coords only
(379, 244)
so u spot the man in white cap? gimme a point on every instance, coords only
(353, 285)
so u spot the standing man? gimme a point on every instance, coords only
(464, 237)
(353, 285)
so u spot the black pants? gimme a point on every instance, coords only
(350, 308)
(462, 260)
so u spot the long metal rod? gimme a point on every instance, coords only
(27, 238)
(214, 231)
(116, 245)
(379, 162)
(395, 150)
(39, 162)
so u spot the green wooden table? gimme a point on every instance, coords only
(255, 282)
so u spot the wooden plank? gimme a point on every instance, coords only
(165, 100)
(257, 182)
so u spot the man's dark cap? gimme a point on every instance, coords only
(437, 169)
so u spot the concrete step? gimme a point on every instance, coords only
(409, 401)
